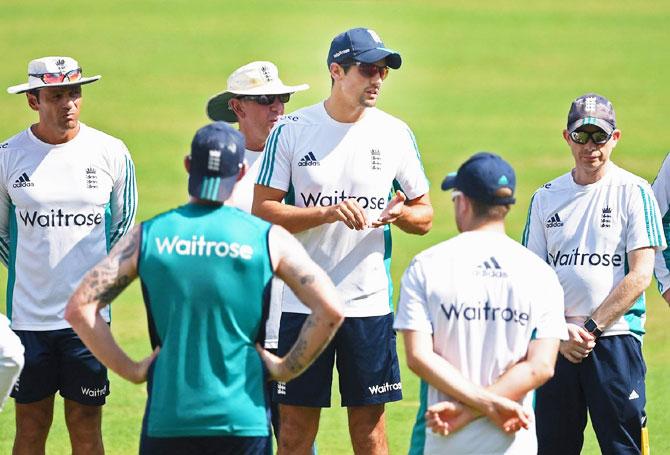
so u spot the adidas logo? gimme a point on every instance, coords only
(23, 181)
(633, 395)
(490, 265)
(554, 221)
(309, 160)
(490, 268)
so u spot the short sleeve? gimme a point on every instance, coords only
(534, 238)
(644, 227)
(550, 321)
(410, 174)
(413, 311)
(275, 170)
(661, 188)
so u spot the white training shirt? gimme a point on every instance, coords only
(483, 297)
(661, 187)
(242, 198)
(243, 193)
(584, 233)
(320, 162)
(62, 207)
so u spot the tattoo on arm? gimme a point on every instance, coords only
(306, 279)
(106, 281)
(295, 362)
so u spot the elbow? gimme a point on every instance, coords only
(414, 363)
(73, 314)
(425, 227)
(542, 372)
(645, 281)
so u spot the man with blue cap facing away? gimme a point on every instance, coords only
(205, 269)
(334, 163)
(481, 318)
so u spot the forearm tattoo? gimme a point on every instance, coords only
(295, 361)
(106, 281)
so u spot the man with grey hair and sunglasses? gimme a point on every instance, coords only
(598, 226)
(67, 195)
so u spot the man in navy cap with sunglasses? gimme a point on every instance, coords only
(67, 195)
(598, 227)
(346, 171)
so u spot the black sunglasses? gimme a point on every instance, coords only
(369, 69)
(598, 137)
(266, 100)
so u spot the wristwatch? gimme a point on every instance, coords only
(591, 327)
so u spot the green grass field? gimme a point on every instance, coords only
(493, 75)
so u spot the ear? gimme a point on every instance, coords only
(566, 136)
(243, 171)
(235, 105)
(616, 135)
(336, 71)
(33, 102)
(187, 163)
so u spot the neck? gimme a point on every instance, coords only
(587, 177)
(252, 142)
(342, 111)
(50, 136)
(487, 225)
(198, 201)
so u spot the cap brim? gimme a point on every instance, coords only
(27, 87)
(217, 106)
(211, 188)
(600, 123)
(393, 59)
(449, 182)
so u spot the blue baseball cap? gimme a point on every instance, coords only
(217, 155)
(362, 45)
(481, 176)
(592, 109)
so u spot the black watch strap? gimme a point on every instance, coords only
(591, 327)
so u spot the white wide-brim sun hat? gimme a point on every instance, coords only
(255, 78)
(50, 65)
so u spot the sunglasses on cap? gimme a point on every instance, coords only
(57, 78)
(582, 137)
(266, 100)
(369, 69)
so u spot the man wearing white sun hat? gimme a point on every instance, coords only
(67, 195)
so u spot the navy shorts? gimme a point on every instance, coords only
(610, 384)
(206, 445)
(364, 350)
(57, 360)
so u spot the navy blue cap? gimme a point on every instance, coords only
(592, 109)
(217, 155)
(361, 45)
(481, 176)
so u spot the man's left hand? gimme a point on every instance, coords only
(446, 417)
(392, 211)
